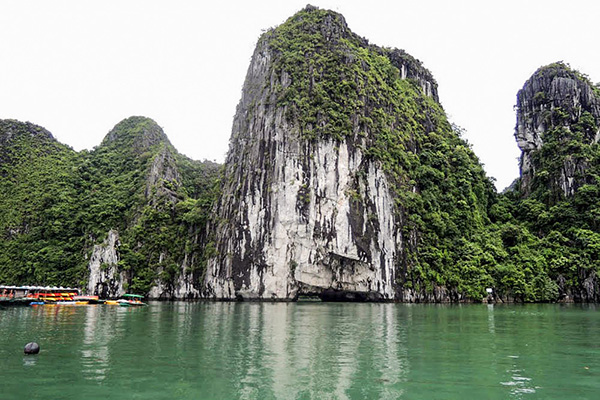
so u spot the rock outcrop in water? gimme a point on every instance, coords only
(323, 169)
(104, 278)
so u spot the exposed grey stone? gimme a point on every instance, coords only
(552, 87)
(105, 280)
(304, 217)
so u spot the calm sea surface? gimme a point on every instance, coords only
(301, 351)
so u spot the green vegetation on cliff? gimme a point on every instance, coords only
(538, 242)
(342, 88)
(40, 234)
(550, 224)
(57, 204)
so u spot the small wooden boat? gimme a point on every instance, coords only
(129, 300)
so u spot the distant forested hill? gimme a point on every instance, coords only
(59, 204)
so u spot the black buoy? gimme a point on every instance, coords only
(32, 348)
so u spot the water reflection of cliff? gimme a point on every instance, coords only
(308, 350)
(304, 350)
(95, 355)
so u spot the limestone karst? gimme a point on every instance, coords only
(344, 180)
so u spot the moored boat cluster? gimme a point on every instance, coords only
(55, 296)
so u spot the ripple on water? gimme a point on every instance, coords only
(231, 350)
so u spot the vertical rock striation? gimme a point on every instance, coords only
(558, 129)
(556, 100)
(153, 201)
(104, 278)
(310, 201)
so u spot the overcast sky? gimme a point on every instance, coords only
(79, 67)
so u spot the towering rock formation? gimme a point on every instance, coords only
(152, 243)
(322, 167)
(556, 109)
(343, 180)
(127, 216)
(558, 120)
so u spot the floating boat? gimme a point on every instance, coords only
(27, 295)
(129, 300)
(59, 296)
(88, 299)
(65, 303)
(20, 301)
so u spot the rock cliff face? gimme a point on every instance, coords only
(556, 98)
(307, 206)
(153, 246)
(558, 120)
(104, 279)
(126, 216)
(344, 180)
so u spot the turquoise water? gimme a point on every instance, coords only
(301, 351)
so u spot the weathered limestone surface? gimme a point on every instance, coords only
(163, 169)
(302, 216)
(184, 287)
(105, 280)
(546, 91)
(162, 181)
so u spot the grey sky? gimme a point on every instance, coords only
(79, 67)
